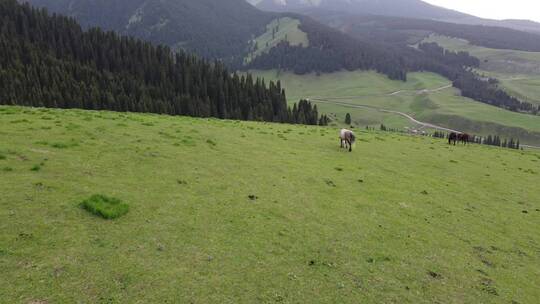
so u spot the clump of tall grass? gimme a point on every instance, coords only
(104, 206)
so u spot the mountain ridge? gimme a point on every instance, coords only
(404, 8)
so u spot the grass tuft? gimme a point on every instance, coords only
(104, 206)
(36, 168)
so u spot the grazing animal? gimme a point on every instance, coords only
(347, 138)
(464, 138)
(453, 137)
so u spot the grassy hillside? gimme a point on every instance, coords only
(238, 212)
(279, 30)
(519, 72)
(445, 107)
(495, 60)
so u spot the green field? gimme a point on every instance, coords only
(518, 71)
(494, 60)
(444, 107)
(279, 30)
(244, 212)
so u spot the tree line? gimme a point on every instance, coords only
(50, 61)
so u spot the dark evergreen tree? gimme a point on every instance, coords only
(348, 119)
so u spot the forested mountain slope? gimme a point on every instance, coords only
(51, 61)
(224, 30)
(212, 29)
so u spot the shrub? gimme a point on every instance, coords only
(106, 207)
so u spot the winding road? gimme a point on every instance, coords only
(409, 117)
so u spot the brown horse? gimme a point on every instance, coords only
(453, 137)
(464, 138)
(347, 138)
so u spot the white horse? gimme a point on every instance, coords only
(347, 138)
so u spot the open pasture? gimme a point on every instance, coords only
(425, 96)
(245, 212)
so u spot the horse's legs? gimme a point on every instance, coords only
(350, 145)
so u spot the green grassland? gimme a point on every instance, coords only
(525, 87)
(444, 107)
(279, 30)
(495, 60)
(518, 71)
(245, 212)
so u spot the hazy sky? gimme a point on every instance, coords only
(494, 9)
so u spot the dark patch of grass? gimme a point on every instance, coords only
(338, 169)
(166, 135)
(148, 124)
(60, 145)
(487, 286)
(72, 126)
(181, 182)
(2, 156)
(211, 142)
(253, 197)
(434, 275)
(7, 169)
(36, 168)
(329, 183)
(454, 161)
(19, 121)
(104, 206)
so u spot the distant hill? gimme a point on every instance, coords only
(407, 30)
(402, 8)
(230, 30)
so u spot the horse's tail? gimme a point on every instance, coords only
(353, 138)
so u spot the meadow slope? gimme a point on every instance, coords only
(425, 96)
(518, 72)
(245, 212)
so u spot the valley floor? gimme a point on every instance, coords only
(245, 212)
